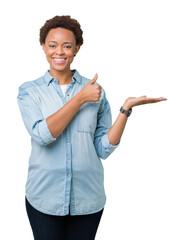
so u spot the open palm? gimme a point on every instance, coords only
(133, 101)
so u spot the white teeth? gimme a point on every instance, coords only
(59, 60)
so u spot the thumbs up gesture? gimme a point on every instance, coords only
(91, 92)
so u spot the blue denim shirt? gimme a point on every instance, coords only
(65, 172)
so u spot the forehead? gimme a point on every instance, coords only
(60, 35)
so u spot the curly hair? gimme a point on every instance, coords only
(64, 22)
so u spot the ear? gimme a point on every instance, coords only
(77, 49)
(44, 49)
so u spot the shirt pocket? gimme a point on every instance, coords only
(87, 117)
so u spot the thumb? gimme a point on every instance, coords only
(94, 79)
(143, 96)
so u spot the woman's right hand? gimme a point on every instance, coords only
(91, 92)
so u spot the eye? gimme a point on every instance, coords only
(52, 46)
(68, 46)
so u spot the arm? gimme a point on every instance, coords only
(101, 137)
(116, 131)
(45, 130)
(59, 120)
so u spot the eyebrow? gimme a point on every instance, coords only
(63, 43)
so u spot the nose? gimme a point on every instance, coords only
(60, 50)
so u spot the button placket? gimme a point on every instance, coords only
(68, 152)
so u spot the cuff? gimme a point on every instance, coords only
(45, 133)
(107, 144)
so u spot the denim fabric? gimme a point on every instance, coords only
(48, 227)
(65, 172)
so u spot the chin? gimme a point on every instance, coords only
(58, 68)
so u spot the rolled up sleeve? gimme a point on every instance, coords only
(104, 121)
(33, 119)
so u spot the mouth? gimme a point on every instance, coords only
(59, 60)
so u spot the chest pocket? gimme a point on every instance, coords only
(87, 117)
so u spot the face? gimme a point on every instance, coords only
(60, 48)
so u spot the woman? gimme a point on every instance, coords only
(69, 119)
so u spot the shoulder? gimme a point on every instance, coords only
(31, 84)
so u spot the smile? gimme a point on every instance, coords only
(59, 60)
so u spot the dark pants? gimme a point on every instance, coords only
(49, 227)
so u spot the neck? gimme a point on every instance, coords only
(63, 77)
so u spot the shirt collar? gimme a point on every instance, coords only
(76, 77)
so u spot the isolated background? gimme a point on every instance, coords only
(137, 48)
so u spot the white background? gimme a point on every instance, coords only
(137, 48)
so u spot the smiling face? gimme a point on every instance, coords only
(60, 48)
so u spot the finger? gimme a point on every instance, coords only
(163, 98)
(154, 100)
(158, 99)
(94, 79)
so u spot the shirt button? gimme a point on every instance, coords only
(68, 174)
(68, 158)
(68, 140)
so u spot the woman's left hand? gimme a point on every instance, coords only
(133, 101)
